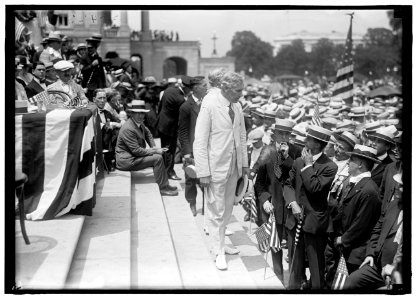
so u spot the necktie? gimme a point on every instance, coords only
(231, 112)
(347, 190)
(277, 165)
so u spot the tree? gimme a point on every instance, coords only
(292, 59)
(324, 57)
(251, 53)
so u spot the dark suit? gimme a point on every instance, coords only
(268, 186)
(356, 219)
(93, 76)
(378, 172)
(186, 132)
(381, 247)
(171, 102)
(132, 155)
(33, 88)
(388, 184)
(309, 189)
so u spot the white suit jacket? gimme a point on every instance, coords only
(216, 137)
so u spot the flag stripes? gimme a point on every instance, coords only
(341, 275)
(19, 27)
(57, 153)
(267, 236)
(344, 76)
(316, 116)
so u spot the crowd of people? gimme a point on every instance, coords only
(331, 168)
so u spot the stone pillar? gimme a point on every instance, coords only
(146, 35)
(124, 30)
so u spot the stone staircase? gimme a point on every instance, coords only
(138, 240)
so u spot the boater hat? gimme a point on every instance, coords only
(138, 106)
(365, 152)
(241, 187)
(283, 125)
(347, 137)
(297, 113)
(319, 133)
(299, 140)
(386, 133)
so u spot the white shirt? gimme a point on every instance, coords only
(195, 99)
(254, 156)
(381, 158)
(357, 178)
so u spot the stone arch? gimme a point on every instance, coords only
(174, 65)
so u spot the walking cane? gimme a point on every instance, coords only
(202, 208)
(297, 236)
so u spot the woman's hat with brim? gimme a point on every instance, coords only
(365, 152)
(138, 106)
(241, 187)
(319, 133)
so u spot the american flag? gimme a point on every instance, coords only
(316, 117)
(267, 236)
(341, 275)
(249, 205)
(19, 27)
(343, 87)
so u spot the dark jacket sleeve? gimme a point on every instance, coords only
(373, 241)
(315, 183)
(289, 184)
(184, 128)
(367, 206)
(130, 139)
(262, 184)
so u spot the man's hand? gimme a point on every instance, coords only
(368, 260)
(268, 207)
(338, 241)
(307, 156)
(188, 159)
(205, 181)
(159, 150)
(95, 62)
(245, 171)
(296, 209)
(387, 270)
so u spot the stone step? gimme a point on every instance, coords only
(44, 264)
(154, 264)
(102, 258)
(195, 263)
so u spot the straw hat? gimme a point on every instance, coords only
(138, 106)
(319, 133)
(365, 152)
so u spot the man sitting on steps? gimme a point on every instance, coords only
(131, 152)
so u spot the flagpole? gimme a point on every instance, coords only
(266, 261)
(297, 236)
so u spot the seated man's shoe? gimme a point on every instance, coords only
(174, 177)
(221, 263)
(231, 251)
(228, 232)
(193, 209)
(170, 188)
(166, 192)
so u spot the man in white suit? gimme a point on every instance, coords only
(221, 157)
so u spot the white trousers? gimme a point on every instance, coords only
(220, 200)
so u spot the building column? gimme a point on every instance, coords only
(146, 33)
(124, 30)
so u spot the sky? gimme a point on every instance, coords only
(200, 25)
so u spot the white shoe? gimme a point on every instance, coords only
(231, 251)
(228, 232)
(221, 263)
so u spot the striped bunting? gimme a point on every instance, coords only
(343, 87)
(249, 205)
(341, 275)
(56, 150)
(19, 27)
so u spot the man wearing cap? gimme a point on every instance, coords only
(381, 250)
(65, 83)
(221, 157)
(38, 83)
(93, 70)
(358, 209)
(272, 172)
(186, 133)
(168, 117)
(53, 51)
(383, 141)
(131, 152)
(305, 192)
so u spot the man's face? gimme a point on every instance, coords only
(233, 93)
(82, 52)
(65, 76)
(258, 121)
(310, 143)
(138, 117)
(380, 145)
(100, 100)
(51, 74)
(200, 90)
(64, 47)
(340, 149)
(354, 166)
(258, 144)
(91, 48)
(281, 136)
(39, 72)
(268, 122)
(55, 45)
(398, 151)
